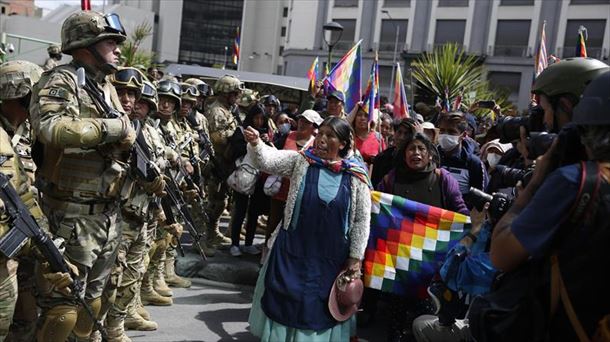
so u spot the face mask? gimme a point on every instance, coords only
(448, 142)
(284, 128)
(493, 159)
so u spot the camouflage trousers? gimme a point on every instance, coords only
(92, 242)
(218, 194)
(8, 293)
(23, 327)
(128, 269)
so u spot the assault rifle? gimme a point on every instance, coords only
(24, 226)
(207, 151)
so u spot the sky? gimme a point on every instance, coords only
(48, 5)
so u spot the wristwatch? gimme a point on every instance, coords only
(471, 236)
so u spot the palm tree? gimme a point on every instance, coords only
(450, 70)
(131, 55)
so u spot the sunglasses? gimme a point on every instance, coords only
(148, 90)
(113, 23)
(127, 75)
(169, 86)
(190, 89)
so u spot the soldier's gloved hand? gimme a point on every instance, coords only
(129, 135)
(59, 281)
(175, 229)
(2, 208)
(157, 186)
(191, 195)
(159, 215)
(188, 166)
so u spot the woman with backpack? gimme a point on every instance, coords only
(256, 203)
(367, 140)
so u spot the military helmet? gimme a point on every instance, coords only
(569, 76)
(247, 98)
(189, 92)
(86, 28)
(149, 94)
(203, 87)
(594, 105)
(228, 84)
(171, 89)
(54, 49)
(17, 79)
(271, 100)
(128, 77)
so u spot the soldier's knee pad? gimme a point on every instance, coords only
(57, 323)
(84, 323)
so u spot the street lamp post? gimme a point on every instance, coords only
(224, 64)
(332, 27)
(395, 51)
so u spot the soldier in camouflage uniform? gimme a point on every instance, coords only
(154, 290)
(223, 124)
(128, 269)
(16, 81)
(54, 57)
(84, 138)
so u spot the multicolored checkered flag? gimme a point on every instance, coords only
(408, 243)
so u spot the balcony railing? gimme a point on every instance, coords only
(594, 52)
(512, 51)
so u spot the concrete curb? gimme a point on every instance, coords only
(207, 282)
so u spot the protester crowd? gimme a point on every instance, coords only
(105, 167)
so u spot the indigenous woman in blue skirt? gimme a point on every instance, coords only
(324, 231)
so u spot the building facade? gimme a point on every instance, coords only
(504, 33)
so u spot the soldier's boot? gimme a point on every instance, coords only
(171, 278)
(137, 303)
(216, 238)
(134, 321)
(84, 323)
(159, 281)
(115, 330)
(148, 295)
(57, 323)
(96, 336)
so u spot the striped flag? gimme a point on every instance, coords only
(541, 61)
(401, 106)
(408, 243)
(371, 95)
(457, 103)
(345, 76)
(312, 74)
(581, 47)
(446, 101)
(236, 43)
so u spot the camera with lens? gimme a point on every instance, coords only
(508, 126)
(499, 203)
(508, 177)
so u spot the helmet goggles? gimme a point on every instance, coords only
(113, 24)
(125, 76)
(168, 86)
(148, 90)
(190, 89)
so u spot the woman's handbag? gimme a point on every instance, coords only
(272, 185)
(243, 179)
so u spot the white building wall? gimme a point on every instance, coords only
(303, 24)
(261, 35)
(168, 35)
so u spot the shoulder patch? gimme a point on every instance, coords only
(55, 92)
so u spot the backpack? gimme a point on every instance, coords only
(523, 305)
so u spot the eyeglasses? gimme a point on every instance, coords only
(127, 75)
(148, 89)
(114, 23)
(169, 86)
(190, 89)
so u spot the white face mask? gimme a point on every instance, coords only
(284, 128)
(448, 142)
(493, 159)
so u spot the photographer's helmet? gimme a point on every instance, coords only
(128, 78)
(85, 28)
(569, 76)
(228, 84)
(594, 105)
(17, 79)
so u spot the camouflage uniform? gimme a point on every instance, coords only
(16, 81)
(83, 174)
(222, 126)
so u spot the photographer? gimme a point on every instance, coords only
(541, 227)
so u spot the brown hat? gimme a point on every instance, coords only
(345, 295)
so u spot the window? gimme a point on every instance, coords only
(512, 37)
(348, 34)
(506, 82)
(280, 70)
(516, 2)
(385, 80)
(285, 13)
(388, 34)
(589, 2)
(449, 31)
(3, 10)
(595, 37)
(396, 3)
(452, 3)
(346, 3)
(283, 34)
(281, 51)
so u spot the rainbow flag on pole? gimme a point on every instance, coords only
(312, 74)
(372, 100)
(345, 76)
(401, 106)
(235, 56)
(581, 47)
(408, 243)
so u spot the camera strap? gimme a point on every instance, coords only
(590, 181)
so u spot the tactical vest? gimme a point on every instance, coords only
(77, 174)
(21, 141)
